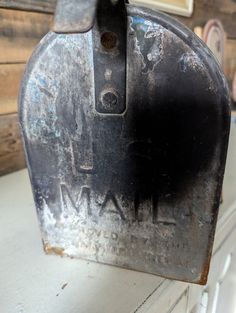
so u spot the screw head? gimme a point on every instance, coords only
(109, 99)
(109, 40)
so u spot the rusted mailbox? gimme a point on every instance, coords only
(125, 119)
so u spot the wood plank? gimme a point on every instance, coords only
(226, 6)
(31, 5)
(205, 10)
(10, 77)
(48, 6)
(11, 149)
(220, 6)
(19, 33)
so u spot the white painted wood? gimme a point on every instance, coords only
(179, 7)
(33, 282)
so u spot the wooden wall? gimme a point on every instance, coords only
(225, 11)
(24, 22)
(20, 31)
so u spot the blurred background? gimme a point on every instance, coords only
(24, 22)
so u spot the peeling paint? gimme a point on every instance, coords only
(153, 34)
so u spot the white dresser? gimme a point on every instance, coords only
(32, 282)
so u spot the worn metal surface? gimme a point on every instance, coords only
(140, 187)
(74, 15)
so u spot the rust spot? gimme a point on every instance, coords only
(109, 40)
(204, 274)
(53, 250)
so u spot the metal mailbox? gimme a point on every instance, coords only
(125, 119)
